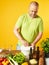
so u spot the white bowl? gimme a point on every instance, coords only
(26, 50)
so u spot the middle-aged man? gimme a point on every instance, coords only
(29, 27)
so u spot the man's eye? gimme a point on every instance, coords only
(34, 11)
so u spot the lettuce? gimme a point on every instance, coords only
(45, 45)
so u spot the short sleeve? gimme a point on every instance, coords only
(19, 22)
(41, 26)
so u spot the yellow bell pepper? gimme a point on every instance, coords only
(5, 63)
(25, 63)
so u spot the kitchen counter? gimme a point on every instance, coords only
(41, 56)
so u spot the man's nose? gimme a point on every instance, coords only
(33, 12)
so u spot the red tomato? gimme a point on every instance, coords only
(5, 59)
(1, 59)
(1, 63)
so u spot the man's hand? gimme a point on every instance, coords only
(25, 43)
(37, 39)
(33, 45)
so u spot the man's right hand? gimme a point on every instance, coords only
(25, 43)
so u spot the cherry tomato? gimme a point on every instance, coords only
(5, 59)
(1, 59)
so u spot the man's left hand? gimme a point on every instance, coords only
(33, 45)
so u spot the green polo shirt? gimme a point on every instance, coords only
(29, 27)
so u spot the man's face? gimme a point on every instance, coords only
(33, 10)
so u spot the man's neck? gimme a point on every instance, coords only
(33, 16)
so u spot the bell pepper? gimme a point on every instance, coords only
(5, 63)
(25, 63)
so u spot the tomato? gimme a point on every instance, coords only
(1, 63)
(5, 59)
(1, 59)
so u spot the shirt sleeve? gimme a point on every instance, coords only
(19, 22)
(41, 26)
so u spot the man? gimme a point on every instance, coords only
(29, 27)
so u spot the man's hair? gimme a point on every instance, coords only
(35, 3)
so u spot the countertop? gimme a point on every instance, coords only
(41, 55)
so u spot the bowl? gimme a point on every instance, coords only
(33, 62)
(26, 50)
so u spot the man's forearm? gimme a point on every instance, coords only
(18, 34)
(37, 38)
(24, 42)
